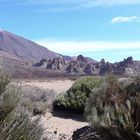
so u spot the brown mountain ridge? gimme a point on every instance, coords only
(16, 47)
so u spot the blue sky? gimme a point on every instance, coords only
(107, 29)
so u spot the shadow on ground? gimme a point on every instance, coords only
(68, 114)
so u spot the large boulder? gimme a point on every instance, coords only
(85, 133)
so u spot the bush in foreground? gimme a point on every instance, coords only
(75, 98)
(114, 110)
(15, 123)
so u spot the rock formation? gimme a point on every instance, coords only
(85, 66)
(56, 64)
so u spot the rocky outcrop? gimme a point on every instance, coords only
(120, 68)
(81, 58)
(87, 66)
(89, 69)
(52, 64)
(42, 62)
(105, 68)
(127, 62)
(72, 68)
(56, 64)
(81, 65)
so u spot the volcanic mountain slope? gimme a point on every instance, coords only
(16, 47)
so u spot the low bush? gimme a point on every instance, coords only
(15, 122)
(75, 98)
(114, 110)
(37, 100)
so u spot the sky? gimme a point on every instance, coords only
(98, 29)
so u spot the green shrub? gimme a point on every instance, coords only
(114, 110)
(75, 98)
(15, 122)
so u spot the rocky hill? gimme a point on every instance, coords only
(79, 66)
(86, 66)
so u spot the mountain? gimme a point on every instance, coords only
(19, 54)
(25, 58)
(19, 48)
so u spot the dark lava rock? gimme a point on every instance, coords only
(39, 64)
(81, 58)
(127, 61)
(85, 133)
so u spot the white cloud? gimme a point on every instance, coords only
(111, 51)
(69, 47)
(127, 19)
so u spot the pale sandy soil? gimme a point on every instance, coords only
(61, 123)
(59, 86)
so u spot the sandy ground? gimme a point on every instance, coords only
(59, 86)
(61, 123)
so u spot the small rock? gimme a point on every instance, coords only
(55, 132)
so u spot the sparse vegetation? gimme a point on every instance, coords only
(75, 98)
(114, 110)
(15, 122)
(37, 100)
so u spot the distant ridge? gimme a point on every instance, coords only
(86, 66)
(17, 47)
